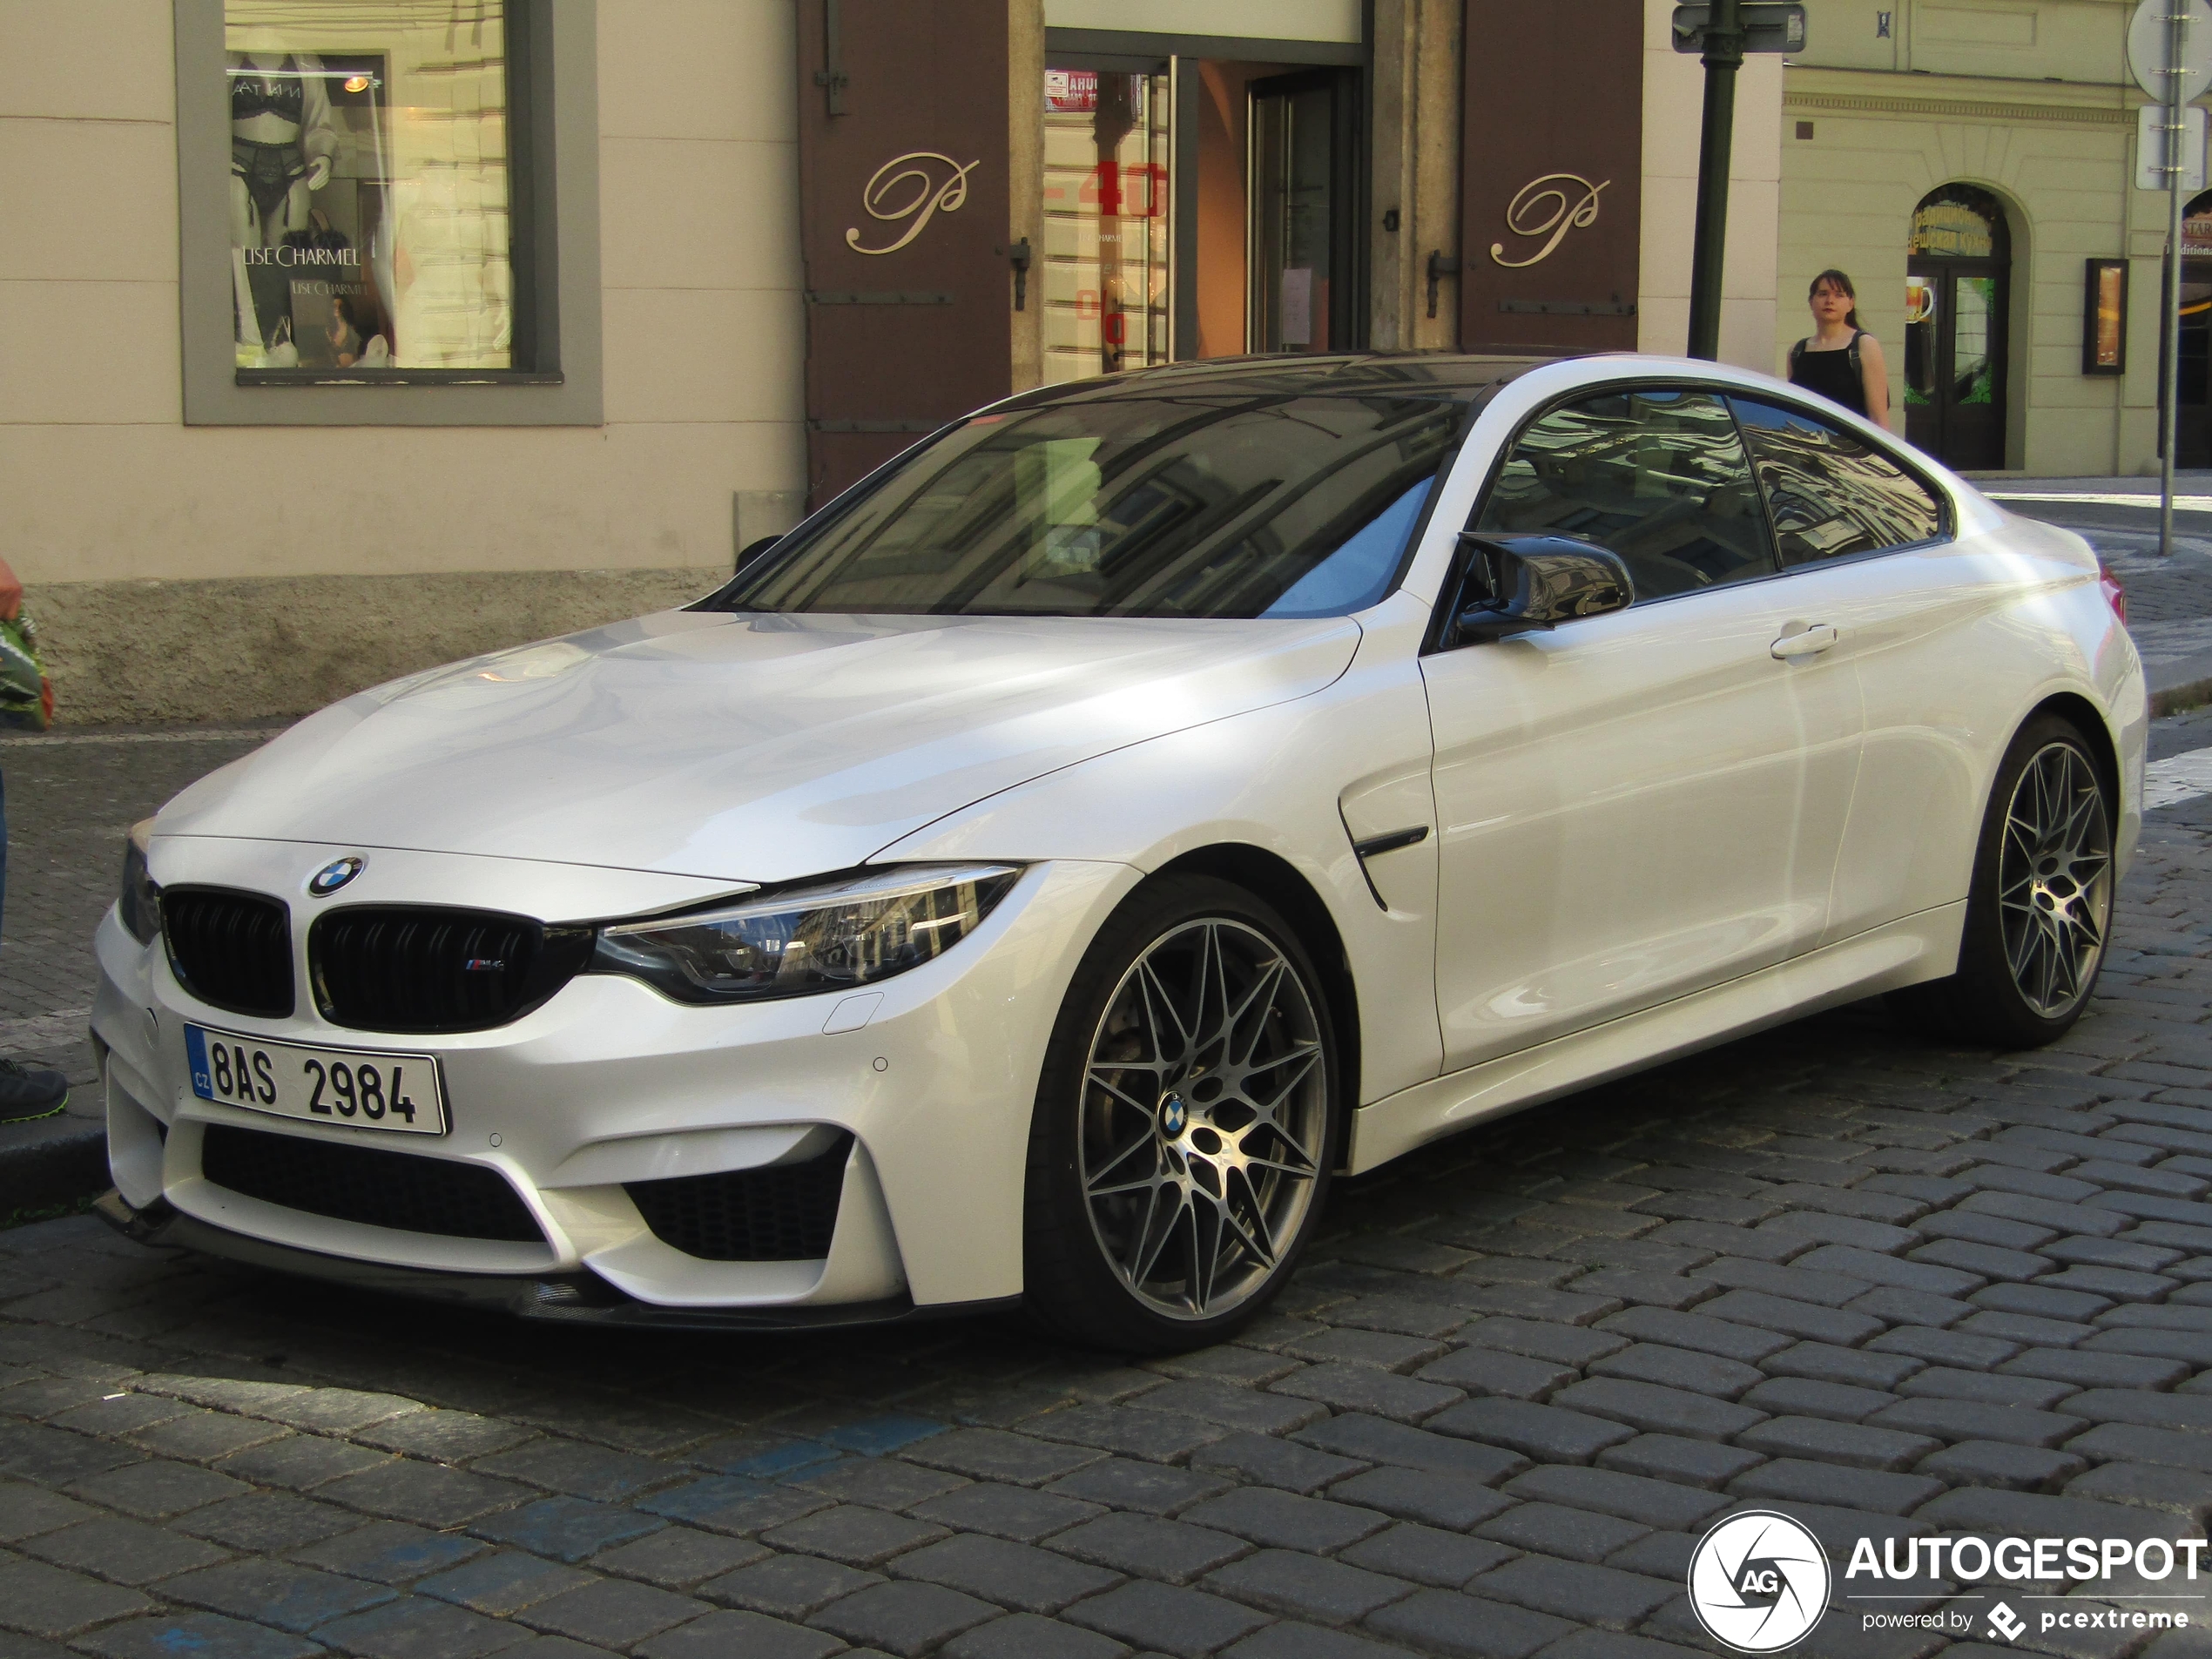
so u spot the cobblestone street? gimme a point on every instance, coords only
(1891, 1290)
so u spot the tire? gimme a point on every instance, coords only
(1167, 1203)
(2039, 911)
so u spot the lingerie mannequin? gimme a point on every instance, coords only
(282, 143)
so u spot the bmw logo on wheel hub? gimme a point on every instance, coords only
(332, 876)
(1175, 1117)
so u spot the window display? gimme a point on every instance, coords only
(2104, 317)
(369, 185)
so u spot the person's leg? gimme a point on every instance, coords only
(25, 1091)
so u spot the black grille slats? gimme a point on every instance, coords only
(366, 1184)
(418, 968)
(231, 950)
(779, 1212)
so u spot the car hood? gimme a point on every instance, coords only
(740, 747)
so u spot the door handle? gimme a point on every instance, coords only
(1810, 642)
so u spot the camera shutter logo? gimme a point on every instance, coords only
(1759, 1582)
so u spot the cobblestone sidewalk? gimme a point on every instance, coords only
(1891, 1290)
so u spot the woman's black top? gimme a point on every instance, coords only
(1832, 373)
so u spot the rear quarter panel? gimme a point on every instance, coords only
(1956, 646)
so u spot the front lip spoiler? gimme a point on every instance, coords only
(563, 1299)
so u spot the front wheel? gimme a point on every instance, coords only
(2040, 909)
(1184, 1124)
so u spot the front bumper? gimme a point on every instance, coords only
(574, 1298)
(610, 1083)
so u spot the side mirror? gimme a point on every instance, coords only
(752, 550)
(1535, 582)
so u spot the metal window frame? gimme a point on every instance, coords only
(554, 94)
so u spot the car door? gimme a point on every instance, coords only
(1868, 551)
(1635, 805)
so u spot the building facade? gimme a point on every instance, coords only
(339, 338)
(1972, 163)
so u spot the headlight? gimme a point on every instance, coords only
(802, 940)
(139, 906)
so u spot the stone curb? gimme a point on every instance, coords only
(2183, 683)
(54, 1161)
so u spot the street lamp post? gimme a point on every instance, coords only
(1723, 56)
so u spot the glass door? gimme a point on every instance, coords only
(1955, 296)
(2193, 433)
(1303, 284)
(1954, 362)
(1107, 145)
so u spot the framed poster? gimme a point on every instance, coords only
(2104, 317)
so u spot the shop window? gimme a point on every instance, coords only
(370, 218)
(368, 197)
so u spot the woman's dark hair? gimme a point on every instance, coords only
(1842, 285)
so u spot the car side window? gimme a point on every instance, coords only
(1831, 493)
(1659, 478)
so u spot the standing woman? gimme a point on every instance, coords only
(1839, 360)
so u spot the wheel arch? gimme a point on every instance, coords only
(2087, 719)
(1275, 879)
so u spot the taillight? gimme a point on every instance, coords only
(2116, 596)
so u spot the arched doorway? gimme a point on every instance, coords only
(1958, 268)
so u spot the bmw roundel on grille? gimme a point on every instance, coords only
(331, 877)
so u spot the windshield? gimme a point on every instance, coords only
(1191, 505)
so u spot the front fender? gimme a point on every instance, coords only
(1280, 779)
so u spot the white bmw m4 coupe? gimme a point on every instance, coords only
(1037, 875)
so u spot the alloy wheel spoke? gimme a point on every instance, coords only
(1157, 1230)
(1202, 1250)
(1304, 1170)
(1134, 1102)
(1143, 1139)
(1160, 1013)
(1266, 985)
(1253, 1242)
(1305, 1060)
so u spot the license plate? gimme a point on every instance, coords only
(358, 1088)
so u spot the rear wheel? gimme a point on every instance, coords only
(1185, 1117)
(2040, 909)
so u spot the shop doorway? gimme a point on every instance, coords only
(1299, 196)
(1957, 292)
(2192, 417)
(1196, 207)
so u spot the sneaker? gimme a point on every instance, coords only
(30, 1091)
